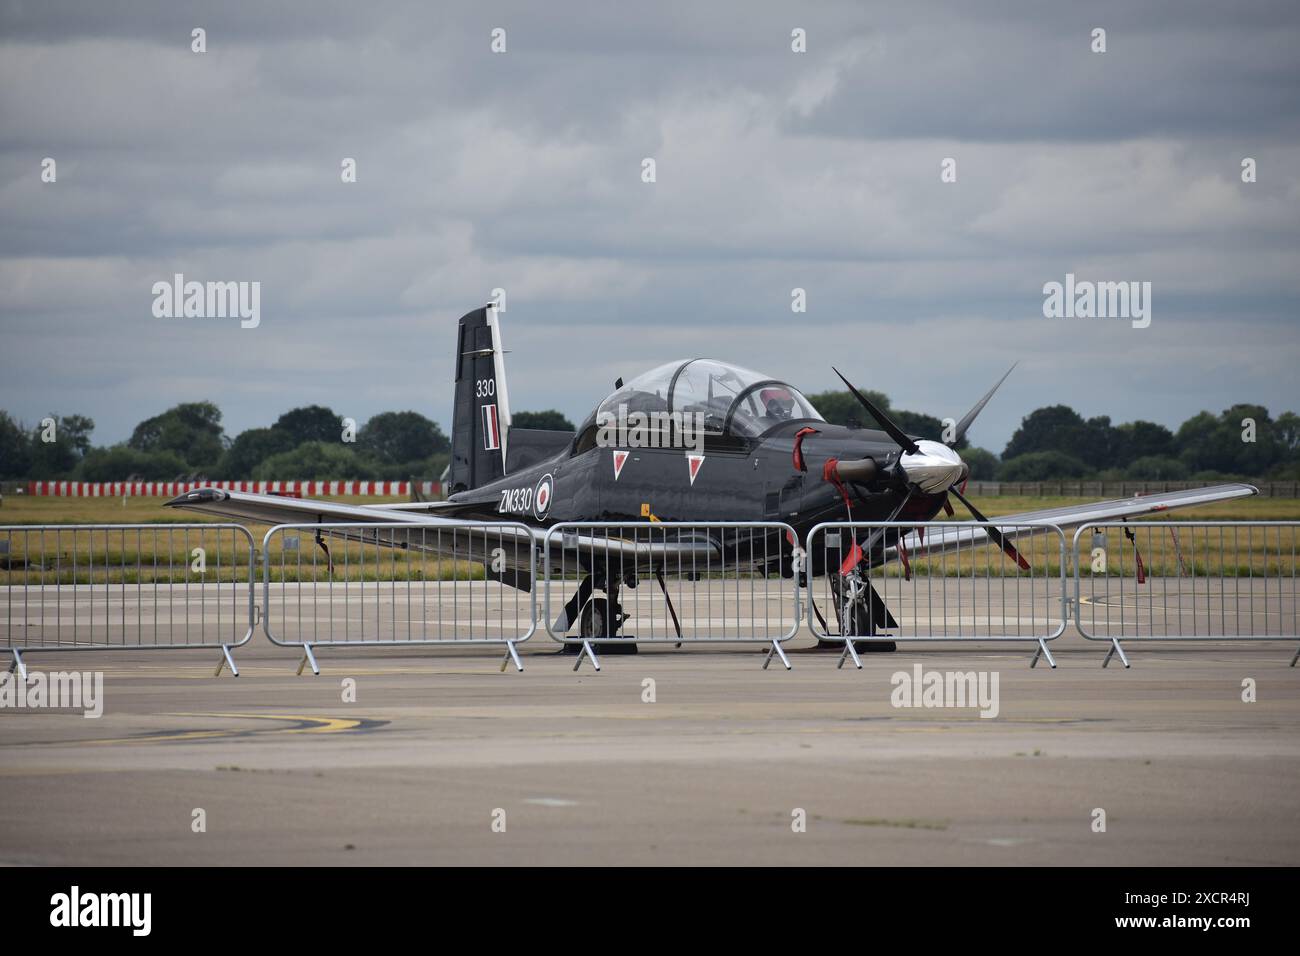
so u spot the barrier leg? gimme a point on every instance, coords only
(588, 651)
(778, 650)
(1295, 657)
(511, 656)
(1044, 653)
(18, 665)
(227, 660)
(849, 651)
(1115, 649)
(308, 658)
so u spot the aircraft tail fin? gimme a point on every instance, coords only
(481, 419)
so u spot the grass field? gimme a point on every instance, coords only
(23, 509)
(1242, 509)
(165, 553)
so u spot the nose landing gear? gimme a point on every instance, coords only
(859, 612)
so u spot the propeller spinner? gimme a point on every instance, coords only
(931, 467)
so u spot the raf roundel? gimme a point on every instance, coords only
(542, 497)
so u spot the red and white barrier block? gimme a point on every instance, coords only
(170, 489)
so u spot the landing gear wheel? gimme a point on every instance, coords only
(594, 620)
(598, 625)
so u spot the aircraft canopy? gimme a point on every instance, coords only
(733, 400)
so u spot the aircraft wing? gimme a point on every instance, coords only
(939, 540)
(416, 527)
(423, 532)
(278, 509)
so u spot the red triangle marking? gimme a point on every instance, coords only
(694, 462)
(620, 459)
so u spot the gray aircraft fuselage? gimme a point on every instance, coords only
(737, 480)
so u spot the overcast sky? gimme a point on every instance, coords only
(523, 170)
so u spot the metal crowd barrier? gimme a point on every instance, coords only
(126, 587)
(1186, 581)
(675, 582)
(191, 586)
(935, 581)
(408, 585)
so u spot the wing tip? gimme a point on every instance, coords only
(197, 497)
(1242, 489)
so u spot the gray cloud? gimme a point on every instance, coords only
(775, 170)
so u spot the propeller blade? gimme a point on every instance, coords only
(852, 558)
(886, 423)
(858, 552)
(969, 417)
(998, 537)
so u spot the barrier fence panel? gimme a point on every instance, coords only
(126, 587)
(1186, 581)
(670, 582)
(945, 581)
(407, 585)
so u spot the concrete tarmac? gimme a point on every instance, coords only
(440, 745)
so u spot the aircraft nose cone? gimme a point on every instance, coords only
(934, 469)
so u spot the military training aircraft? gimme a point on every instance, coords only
(690, 441)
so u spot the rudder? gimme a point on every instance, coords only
(481, 419)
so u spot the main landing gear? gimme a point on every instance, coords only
(600, 619)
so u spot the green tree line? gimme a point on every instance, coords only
(1053, 442)
(188, 441)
